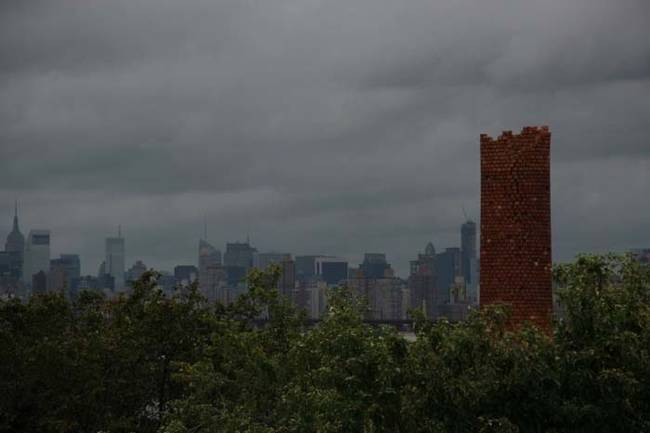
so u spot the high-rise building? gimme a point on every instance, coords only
(422, 282)
(331, 270)
(5, 264)
(263, 260)
(302, 295)
(37, 254)
(468, 247)
(88, 282)
(209, 257)
(10, 282)
(239, 254)
(167, 282)
(135, 272)
(448, 267)
(374, 265)
(516, 224)
(72, 264)
(214, 284)
(185, 274)
(115, 260)
(57, 279)
(287, 281)
(305, 267)
(65, 273)
(311, 296)
(384, 296)
(39, 282)
(237, 260)
(15, 248)
(317, 291)
(101, 271)
(469, 259)
(11, 265)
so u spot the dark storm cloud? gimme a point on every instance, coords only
(333, 127)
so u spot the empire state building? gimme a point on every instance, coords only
(15, 245)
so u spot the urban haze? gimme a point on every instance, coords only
(314, 127)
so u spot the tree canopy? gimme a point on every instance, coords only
(176, 364)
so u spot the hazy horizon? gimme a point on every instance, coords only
(315, 127)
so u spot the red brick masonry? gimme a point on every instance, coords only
(516, 224)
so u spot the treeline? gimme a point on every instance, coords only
(151, 363)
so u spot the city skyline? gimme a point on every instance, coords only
(93, 259)
(128, 260)
(314, 126)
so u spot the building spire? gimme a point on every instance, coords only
(16, 215)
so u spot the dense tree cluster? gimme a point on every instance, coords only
(153, 363)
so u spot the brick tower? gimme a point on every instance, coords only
(516, 224)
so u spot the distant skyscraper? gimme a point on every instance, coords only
(185, 274)
(57, 280)
(15, 247)
(329, 269)
(209, 257)
(287, 281)
(39, 282)
(167, 282)
(448, 270)
(237, 260)
(239, 254)
(115, 258)
(469, 259)
(88, 282)
(106, 283)
(10, 272)
(263, 260)
(422, 282)
(101, 271)
(383, 295)
(5, 264)
(214, 284)
(135, 272)
(301, 295)
(374, 265)
(65, 273)
(72, 264)
(37, 254)
(332, 270)
(305, 267)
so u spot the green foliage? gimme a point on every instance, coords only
(176, 364)
(604, 344)
(96, 364)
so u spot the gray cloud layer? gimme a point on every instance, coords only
(334, 127)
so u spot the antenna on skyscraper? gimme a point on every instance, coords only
(465, 213)
(205, 227)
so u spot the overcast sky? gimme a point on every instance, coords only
(314, 126)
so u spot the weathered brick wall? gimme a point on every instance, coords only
(516, 224)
